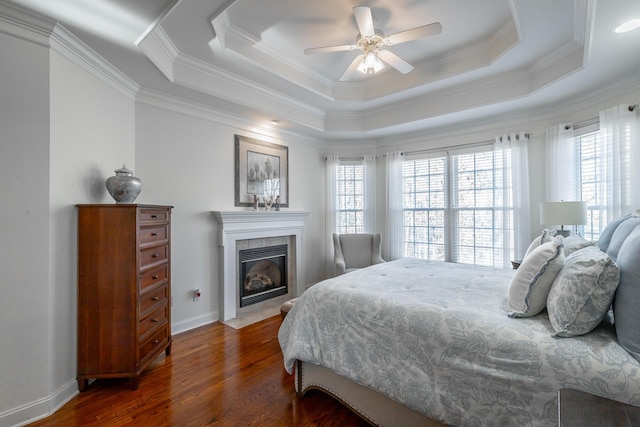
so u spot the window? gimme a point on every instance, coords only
(588, 154)
(593, 185)
(424, 207)
(350, 198)
(457, 208)
(482, 208)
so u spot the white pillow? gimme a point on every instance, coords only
(531, 282)
(546, 236)
(582, 292)
(575, 243)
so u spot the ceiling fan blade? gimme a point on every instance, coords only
(326, 49)
(364, 19)
(415, 33)
(352, 68)
(395, 61)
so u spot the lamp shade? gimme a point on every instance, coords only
(563, 213)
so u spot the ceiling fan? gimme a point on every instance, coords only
(371, 41)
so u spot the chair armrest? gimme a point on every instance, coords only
(376, 257)
(338, 256)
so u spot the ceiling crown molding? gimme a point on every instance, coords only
(34, 28)
(72, 48)
(223, 113)
(159, 48)
(24, 24)
(207, 78)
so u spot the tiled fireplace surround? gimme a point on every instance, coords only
(250, 229)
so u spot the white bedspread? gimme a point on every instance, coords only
(436, 337)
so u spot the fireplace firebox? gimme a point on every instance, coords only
(262, 274)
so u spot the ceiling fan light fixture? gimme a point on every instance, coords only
(370, 64)
(370, 40)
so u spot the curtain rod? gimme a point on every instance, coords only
(351, 158)
(583, 123)
(594, 120)
(451, 147)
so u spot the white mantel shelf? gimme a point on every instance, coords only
(239, 217)
(244, 225)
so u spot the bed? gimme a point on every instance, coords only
(413, 342)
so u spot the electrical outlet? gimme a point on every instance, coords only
(196, 294)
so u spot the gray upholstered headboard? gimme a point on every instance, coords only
(621, 241)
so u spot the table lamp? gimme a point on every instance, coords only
(563, 213)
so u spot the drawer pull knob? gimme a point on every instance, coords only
(155, 299)
(154, 277)
(154, 234)
(155, 341)
(154, 256)
(154, 320)
(154, 216)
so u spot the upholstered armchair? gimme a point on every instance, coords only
(353, 251)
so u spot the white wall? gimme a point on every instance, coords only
(92, 134)
(24, 223)
(188, 162)
(63, 132)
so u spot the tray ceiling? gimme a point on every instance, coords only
(492, 58)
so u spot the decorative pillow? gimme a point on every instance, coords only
(620, 236)
(607, 233)
(532, 280)
(582, 292)
(575, 243)
(627, 300)
(546, 236)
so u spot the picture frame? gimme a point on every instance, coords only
(261, 169)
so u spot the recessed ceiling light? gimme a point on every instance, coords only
(627, 26)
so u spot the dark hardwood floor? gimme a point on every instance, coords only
(215, 376)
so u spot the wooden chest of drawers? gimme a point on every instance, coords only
(124, 289)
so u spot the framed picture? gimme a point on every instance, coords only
(262, 170)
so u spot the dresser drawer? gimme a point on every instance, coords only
(155, 297)
(153, 215)
(155, 319)
(153, 277)
(157, 233)
(152, 256)
(157, 339)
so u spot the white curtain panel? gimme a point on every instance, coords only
(393, 239)
(369, 164)
(561, 164)
(331, 169)
(516, 147)
(620, 170)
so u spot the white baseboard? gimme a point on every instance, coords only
(41, 408)
(194, 322)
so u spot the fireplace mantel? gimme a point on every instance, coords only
(244, 225)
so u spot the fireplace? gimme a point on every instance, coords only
(262, 274)
(239, 230)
